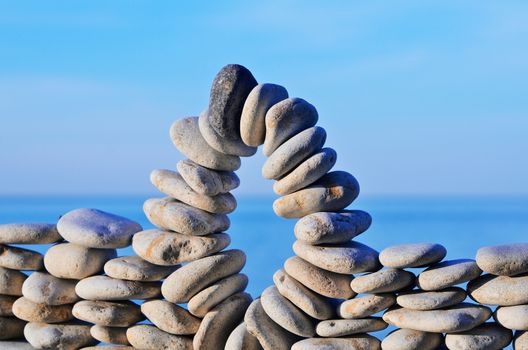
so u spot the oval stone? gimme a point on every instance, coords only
(206, 181)
(58, 336)
(504, 260)
(512, 317)
(241, 339)
(15, 345)
(106, 313)
(366, 305)
(12, 328)
(448, 273)
(170, 317)
(29, 234)
(356, 342)
(148, 337)
(107, 288)
(520, 341)
(409, 339)
(20, 259)
(483, 337)
(110, 335)
(134, 268)
(29, 311)
(499, 290)
(384, 281)
(340, 328)
(6, 304)
(412, 255)
(43, 288)
(422, 300)
(11, 281)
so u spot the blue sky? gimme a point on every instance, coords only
(417, 97)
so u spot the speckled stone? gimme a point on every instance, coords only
(19, 258)
(346, 258)
(333, 192)
(412, 255)
(6, 305)
(29, 311)
(293, 152)
(326, 283)
(186, 136)
(422, 300)
(43, 288)
(173, 185)
(356, 342)
(106, 313)
(108, 347)
(241, 339)
(327, 227)
(484, 337)
(520, 341)
(459, 318)
(170, 317)
(107, 288)
(366, 305)
(504, 260)
(512, 317)
(384, 281)
(172, 215)
(68, 260)
(203, 302)
(94, 228)
(194, 277)
(409, 339)
(134, 268)
(15, 345)
(111, 335)
(148, 337)
(11, 327)
(206, 181)
(448, 273)
(11, 281)
(58, 336)
(499, 290)
(341, 328)
(285, 119)
(29, 234)
(171, 248)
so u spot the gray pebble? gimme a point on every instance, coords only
(29, 311)
(107, 288)
(366, 305)
(29, 234)
(207, 181)
(412, 255)
(170, 317)
(384, 281)
(422, 300)
(43, 288)
(12, 328)
(19, 258)
(499, 290)
(15, 345)
(504, 260)
(110, 335)
(106, 313)
(448, 273)
(484, 337)
(241, 339)
(58, 336)
(134, 268)
(148, 337)
(409, 339)
(11, 281)
(6, 304)
(512, 317)
(340, 328)
(356, 342)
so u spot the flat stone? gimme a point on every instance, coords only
(107, 288)
(110, 335)
(333, 192)
(11, 327)
(197, 275)
(504, 260)
(6, 305)
(171, 248)
(29, 311)
(270, 335)
(221, 124)
(311, 303)
(459, 318)
(346, 258)
(448, 273)
(366, 305)
(422, 300)
(221, 321)
(241, 339)
(327, 227)
(293, 152)
(134, 268)
(512, 317)
(20, 259)
(341, 328)
(43, 288)
(170, 317)
(412, 255)
(384, 281)
(94, 228)
(286, 314)
(173, 185)
(409, 339)
(326, 283)
(356, 342)
(58, 336)
(106, 313)
(15, 345)
(285, 119)
(257, 104)
(484, 337)
(68, 260)
(520, 341)
(147, 337)
(206, 181)
(307, 172)
(11, 281)
(499, 290)
(185, 135)
(29, 234)
(108, 347)
(207, 299)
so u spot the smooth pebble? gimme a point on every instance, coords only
(106, 313)
(356, 342)
(134, 268)
(512, 317)
(148, 337)
(29, 311)
(340, 328)
(29, 234)
(448, 273)
(488, 336)
(241, 339)
(423, 300)
(412, 255)
(366, 305)
(499, 290)
(43, 288)
(110, 335)
(207, 181)
(170, 317)
(16, 258)
(504, 260)
(384, 281)
(11, 281)
(58, 336)
(107, 288)
(409, 339)
(12, 328)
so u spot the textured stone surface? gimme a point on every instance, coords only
(422, 300)
(29, 234)
(170, 318)
(16, 345)
(107, 288)
(134, 268)
(504, 260)
(366, 305)
(19, 258)
(206, 181)
(111, 335)
(340, 328)
(356, 342)
(58, 336)
(43, 288)
(147, 337)
(6, 305)
(499, 290)
(409, 339)
(448, 273)
(483, 337)
(512, 317)
(241, 339)
(520, 342)
(412, 255)
(11, 327)
(106, 313)
(11, 281)
(384, 281)
(29, 311)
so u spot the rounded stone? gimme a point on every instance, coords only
(333, 192)
(58, 336)
(15, 345)
(68, 260)
(422, 300)
(286, 119)
(487, 336)
(206, 181)
(107, 288)
(347, 258)
(6, 305)
(172, 215)
(512, 317)
(43, 288)
(29, 311)
(356, 342)
(221, 321)
(134, 268)
(110, 335)
(384, 281)
(323, 282)
(459, 318)
(366, 305)
(448, 273)
(94, 228)
(499, 290)
(409, 339)
(204, 301)
(106, 313)
(333, 228)
(19, 258)
(194, 277)
(504, 260)
(12, 328)
(412, 255)
(170, 317)
(293, 152)
(29, 234)
(171, 248)
(173, 185)
(185, 135)
(520, 341)
(340, 328)
(11, 281)
(148, 337)
(241, 339)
